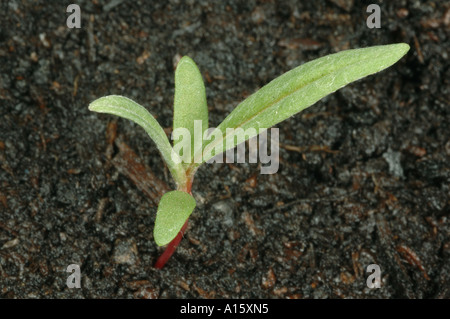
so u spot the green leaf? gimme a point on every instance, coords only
(301, 87)
(126, 108)
(189, 106)
(174, 209)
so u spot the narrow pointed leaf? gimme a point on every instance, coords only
(190, 104)
(174, 209)
(303, 86)
(126, 108)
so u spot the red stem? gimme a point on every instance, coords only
(162, 260)
(172, 246)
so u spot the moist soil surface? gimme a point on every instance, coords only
(363, 176)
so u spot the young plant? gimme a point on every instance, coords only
(283, 97)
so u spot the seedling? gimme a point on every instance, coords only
(283, 97)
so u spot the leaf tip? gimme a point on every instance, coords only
(96, 105)
(160, 241)
(403, 48)
(186, 59)
(91, 107)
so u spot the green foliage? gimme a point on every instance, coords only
(126, 108)
(283, 97)
(303, 86)
(189, 104)
(174, 209)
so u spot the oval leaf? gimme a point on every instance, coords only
(303, 86)
(174, 209)
(127, 108)
(189, 106)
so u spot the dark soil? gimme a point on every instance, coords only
(363, 179)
